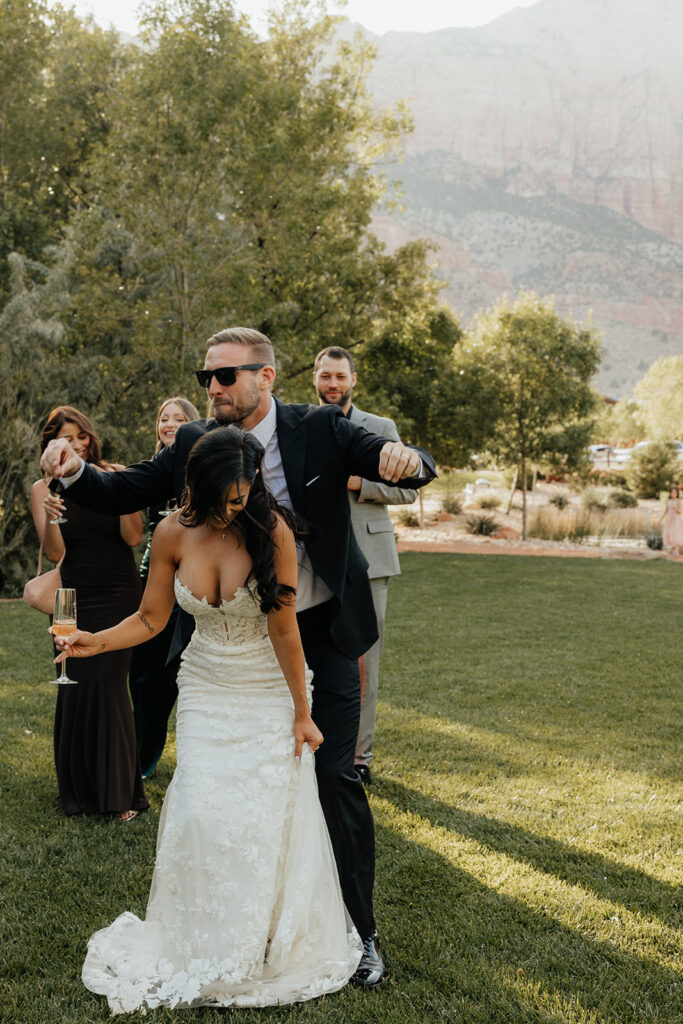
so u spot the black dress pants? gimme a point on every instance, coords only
(153, 690)
(336, 712)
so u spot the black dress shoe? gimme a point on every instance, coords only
(371, 970)
(364, 772)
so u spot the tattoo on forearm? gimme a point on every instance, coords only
(148, 625)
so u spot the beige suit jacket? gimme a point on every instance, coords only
(370, 518)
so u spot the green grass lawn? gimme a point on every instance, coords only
(526, 800)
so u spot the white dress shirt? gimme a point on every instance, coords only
(311, 590)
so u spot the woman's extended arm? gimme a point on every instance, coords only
(153, 613)
(49, 533)
(286, 640)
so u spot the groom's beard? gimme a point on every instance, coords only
(226, 410)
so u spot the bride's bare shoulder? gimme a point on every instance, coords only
(169, 535)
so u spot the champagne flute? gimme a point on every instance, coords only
(64, 623)
(54, 487)
(171, 506)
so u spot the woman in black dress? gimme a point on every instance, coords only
(96, 759)
(152, 676)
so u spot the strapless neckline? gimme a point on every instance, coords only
(205, 601)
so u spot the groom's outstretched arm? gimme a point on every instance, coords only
(137, 487)
(374, 458)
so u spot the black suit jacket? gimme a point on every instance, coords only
(320, 449)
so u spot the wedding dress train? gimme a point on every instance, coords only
(245, 907)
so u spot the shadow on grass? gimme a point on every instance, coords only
(501, 960)
(584, 652)
(608, 879)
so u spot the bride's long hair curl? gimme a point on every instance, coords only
(217, 461)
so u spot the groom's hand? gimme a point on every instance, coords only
(396, 462)
(59, 459)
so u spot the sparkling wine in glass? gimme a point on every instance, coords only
(64, 623)
(55, 488)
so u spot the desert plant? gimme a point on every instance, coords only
(407, 518)
(577, 524)
(550, 523)
(485, 526)
(652, 469)
(451, 503)
(594, 500)
(580, 530)
(559, 500)
(622, 499)
(488, 501)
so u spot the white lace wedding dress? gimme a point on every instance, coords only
(245, 907)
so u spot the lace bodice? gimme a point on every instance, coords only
(236, 622)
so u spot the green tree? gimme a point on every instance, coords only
(30, 337)
(538, 369)
(55, 77)
(659, 401)
(408, 373)
(653, 469)
(618, 424)
(237, 185)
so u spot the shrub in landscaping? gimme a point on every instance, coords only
(482, 525)
(548, 525)
(559, 500)
(551, 523)
(622, 499)
(654, 540)
(576, 524)
(488, 501)
(653, 469)
(408, 518)
(451, 503)
(594, 500)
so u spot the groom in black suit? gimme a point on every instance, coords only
(310, 452)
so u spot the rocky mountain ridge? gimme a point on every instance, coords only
(547, 154)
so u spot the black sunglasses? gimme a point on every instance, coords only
(225, 375)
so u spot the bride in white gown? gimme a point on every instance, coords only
(245, 907)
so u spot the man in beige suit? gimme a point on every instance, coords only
(334, 378)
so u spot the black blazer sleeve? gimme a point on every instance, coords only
(147, 483)
(363, 450)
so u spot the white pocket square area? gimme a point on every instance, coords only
(312, 480)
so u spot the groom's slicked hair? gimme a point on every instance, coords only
(259, 344)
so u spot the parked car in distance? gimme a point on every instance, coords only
(600, 453)
(622, 455)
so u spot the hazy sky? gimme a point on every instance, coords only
(377, 15)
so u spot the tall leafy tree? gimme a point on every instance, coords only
(30, 337)
(56, 75)
(539, 368)
(658, 397)
(237, 185)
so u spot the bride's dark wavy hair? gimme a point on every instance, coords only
(218, 460)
